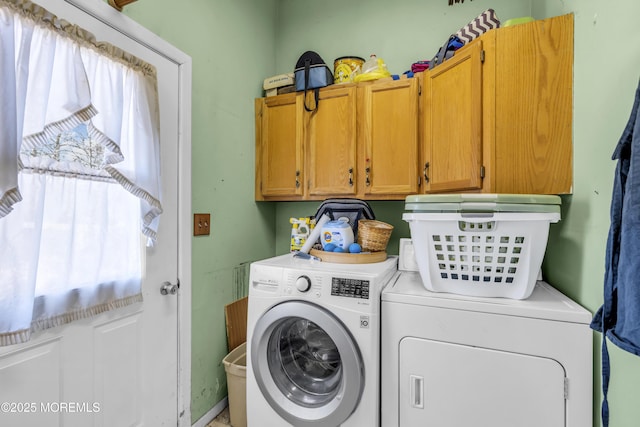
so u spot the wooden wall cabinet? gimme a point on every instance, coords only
(452, 148)
(362, 142)
(388, 139)
(497, 117)
(331, 140)
(279, 148)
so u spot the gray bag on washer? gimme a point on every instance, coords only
(353, 209)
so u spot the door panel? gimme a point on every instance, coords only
(332, 144)
(450, 385)
(117, 361)
(28, 392)
(281, 146)
(389, 129)
(119, 368)
(453, 129)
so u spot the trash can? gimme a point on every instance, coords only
(235, 364)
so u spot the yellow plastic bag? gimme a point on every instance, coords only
(373, 69)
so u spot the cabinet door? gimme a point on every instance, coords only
(331, 138)
(451, 385)
(279, 148)
(534, 107)
(452, 156)
(388, 128)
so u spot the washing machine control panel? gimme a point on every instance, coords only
(352, 288)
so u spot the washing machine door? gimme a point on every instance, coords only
(307, 364)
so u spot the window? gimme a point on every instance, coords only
(73, 147)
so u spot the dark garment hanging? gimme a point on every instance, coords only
(619, 317)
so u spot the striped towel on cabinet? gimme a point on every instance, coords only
(486, 21)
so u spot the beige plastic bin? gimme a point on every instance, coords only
(235, 364)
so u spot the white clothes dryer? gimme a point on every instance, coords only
(313, 342)
(452, 360)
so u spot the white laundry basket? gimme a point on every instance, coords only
(483, 245)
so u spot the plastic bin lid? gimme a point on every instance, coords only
(483, 202)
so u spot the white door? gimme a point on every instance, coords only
(118, 369)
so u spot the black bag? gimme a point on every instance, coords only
(353, 209)
(311, 72)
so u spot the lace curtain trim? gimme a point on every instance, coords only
(155, 206)
(22, 336)
(42, 16)
(9, 199)
(52, 129)
(115, 155)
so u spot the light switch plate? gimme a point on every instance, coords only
(201, 224)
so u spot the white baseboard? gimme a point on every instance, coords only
(212, 414)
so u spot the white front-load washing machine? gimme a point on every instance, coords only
(452, 360)
(313, 342)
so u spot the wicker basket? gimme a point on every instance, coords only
(373, 236)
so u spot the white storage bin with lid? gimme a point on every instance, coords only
(486, 245)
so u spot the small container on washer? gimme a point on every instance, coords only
(338, 232)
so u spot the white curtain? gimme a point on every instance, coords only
(53, 270)
(79, 172)
(124, 128)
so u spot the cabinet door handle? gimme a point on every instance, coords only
(297, 179)
(350, 177)
(424, 172)
(367, 180)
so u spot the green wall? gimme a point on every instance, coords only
(232, 45)
(399, 32)
(236, 44)
(603, 97)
